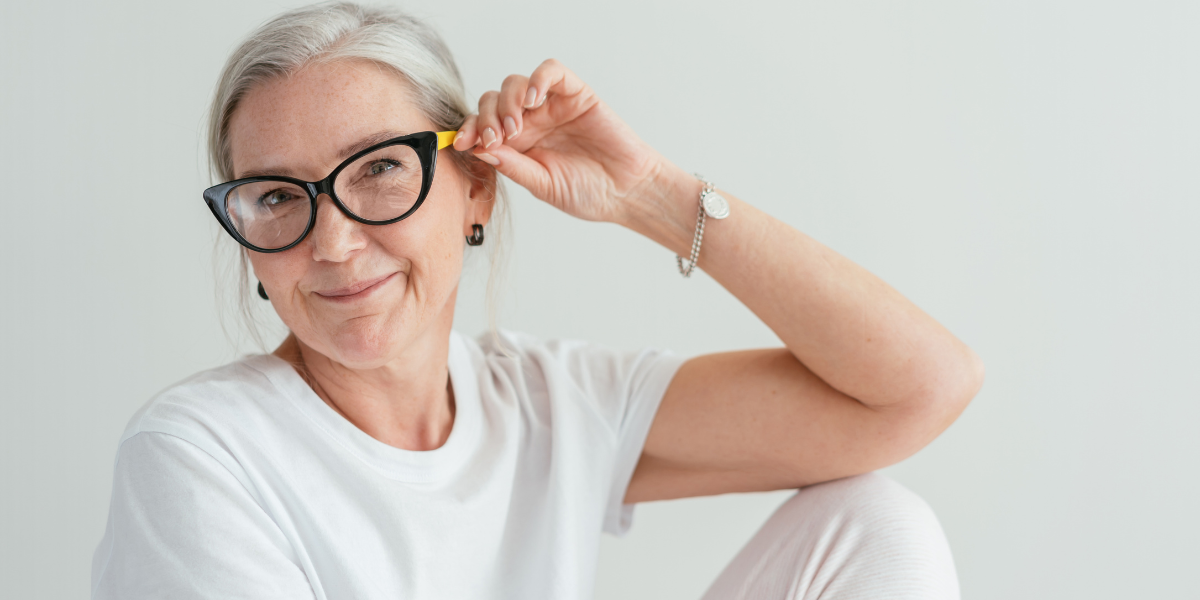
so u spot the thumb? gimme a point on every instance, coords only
(523, 170)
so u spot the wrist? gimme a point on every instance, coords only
(664, 209)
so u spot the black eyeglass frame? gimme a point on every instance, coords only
(425, 144)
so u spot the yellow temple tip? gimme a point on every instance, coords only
(445, 138)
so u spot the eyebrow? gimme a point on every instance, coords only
(343, 154)
(367, 142)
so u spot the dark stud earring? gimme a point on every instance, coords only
(262, 292)
(476, 237)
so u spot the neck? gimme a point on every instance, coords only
(407, 403)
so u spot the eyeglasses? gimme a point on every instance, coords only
(377, 186)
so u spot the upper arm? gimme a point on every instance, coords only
(760, 420)
(180, 525)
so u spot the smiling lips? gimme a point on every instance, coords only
(353, 292)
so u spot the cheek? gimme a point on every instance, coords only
(435, 248)
(432, 238)
(278, 272)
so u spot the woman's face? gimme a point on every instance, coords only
(359, 294)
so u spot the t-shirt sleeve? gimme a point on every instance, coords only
(626, 389)
(181, 525)
(649, 373)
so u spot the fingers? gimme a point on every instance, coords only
(487, 121)
(467, 134)
(502, 113)
(552, 77)
(509, 105)
(523, 170)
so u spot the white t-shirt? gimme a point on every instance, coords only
(240, 482)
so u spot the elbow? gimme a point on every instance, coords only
(941, 396)
(973, 375)
(931, 411)
(961, 380)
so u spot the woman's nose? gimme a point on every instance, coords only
(335, 237)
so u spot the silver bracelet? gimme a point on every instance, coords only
(712, 205)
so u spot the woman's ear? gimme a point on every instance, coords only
(481, 195)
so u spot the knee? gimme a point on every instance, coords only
(877, 530)
(856, 538)
(870, 510)
(871, 500)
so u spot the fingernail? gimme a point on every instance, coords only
(530, 97)
(542, 101)
(457, 136)
(488, 158)
(510, 126)
(489, 137)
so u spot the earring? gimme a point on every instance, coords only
(476, 237)
(262, 292)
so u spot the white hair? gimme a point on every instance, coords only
(334, 31)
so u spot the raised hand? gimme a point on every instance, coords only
(866, 379)
(551, 134)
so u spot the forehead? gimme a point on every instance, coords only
(300, 123)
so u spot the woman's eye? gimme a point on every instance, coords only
(379, 167)
(276, 198)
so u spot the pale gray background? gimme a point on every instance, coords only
(1026, 171)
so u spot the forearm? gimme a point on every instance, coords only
(846, 325)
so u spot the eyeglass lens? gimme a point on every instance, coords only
(379, 186)
(269, 214)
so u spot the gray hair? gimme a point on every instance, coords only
(334, 31)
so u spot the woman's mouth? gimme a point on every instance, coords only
(359, 290)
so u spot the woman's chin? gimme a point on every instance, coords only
(365, 344)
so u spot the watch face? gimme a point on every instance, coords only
(715, 206)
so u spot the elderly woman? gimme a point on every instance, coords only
(376, 453)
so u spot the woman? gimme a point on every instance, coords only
(378, 454)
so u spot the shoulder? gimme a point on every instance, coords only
(512, 349)
(182, 520)
(236, 398)
(572, 369)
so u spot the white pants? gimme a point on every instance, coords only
(855, 538)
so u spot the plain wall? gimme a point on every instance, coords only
(1026, 171)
